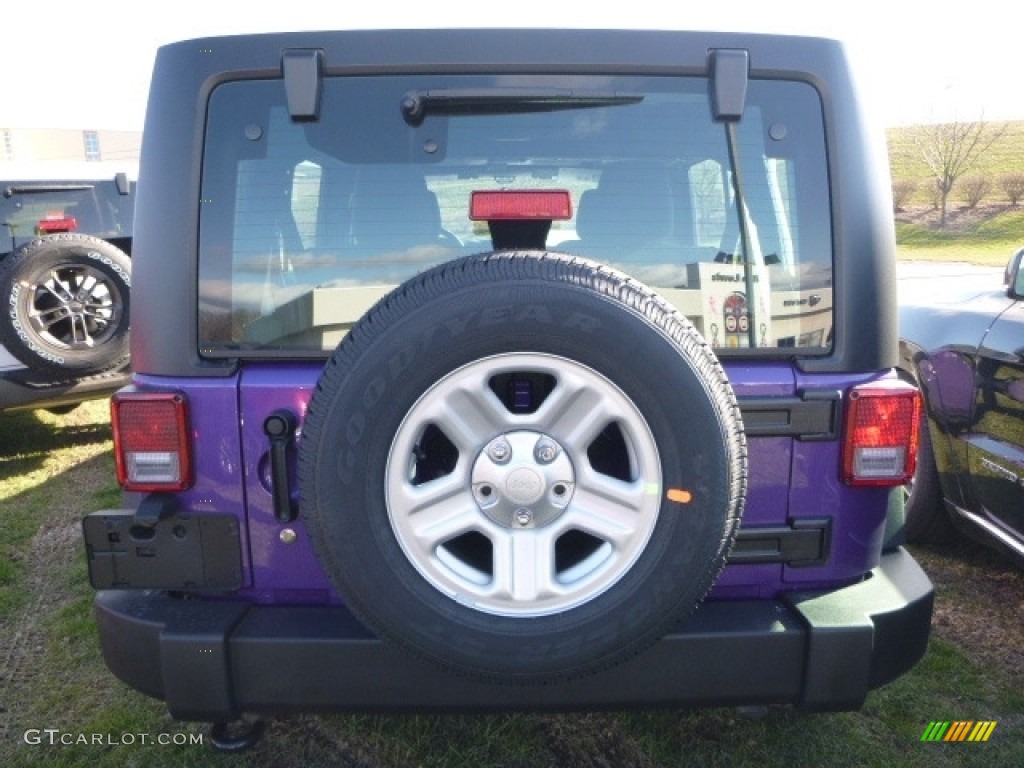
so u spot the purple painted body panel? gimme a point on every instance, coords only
(816, 490)
(282, 572)
(788, 479)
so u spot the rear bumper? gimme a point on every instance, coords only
(214, 660)
(18, 390)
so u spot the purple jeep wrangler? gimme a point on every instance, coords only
(506, 370)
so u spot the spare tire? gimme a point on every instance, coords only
(65, 305)
(524, 466)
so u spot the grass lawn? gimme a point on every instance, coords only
(987, 235)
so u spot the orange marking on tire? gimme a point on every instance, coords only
(679, 496)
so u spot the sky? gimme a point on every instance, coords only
(86, 65)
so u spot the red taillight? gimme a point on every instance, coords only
(55, 224)
(512, 205)
(151, 441)
(881, 433)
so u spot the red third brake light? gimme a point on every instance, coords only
(151, 441)
(512, 205)
(56, 224)
(881, 434)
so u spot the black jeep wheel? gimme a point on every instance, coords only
(523, 466)
(927, 521)
(65, 305)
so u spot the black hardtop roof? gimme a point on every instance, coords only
(468, 49)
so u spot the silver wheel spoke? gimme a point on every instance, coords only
(56, 288)
(87, 288)
(436, 511)
(524, 566)
(96, 306)
(79, 332)
(576, 412)
(469, 418)
(616, 521)
(41, 320)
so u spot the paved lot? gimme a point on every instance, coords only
(7, 361)
(945, 282)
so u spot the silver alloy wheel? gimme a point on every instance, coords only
(75, 307)
(526, 517)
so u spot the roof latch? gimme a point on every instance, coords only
(302, 71)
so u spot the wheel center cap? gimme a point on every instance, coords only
(524, 486)
(523, 479)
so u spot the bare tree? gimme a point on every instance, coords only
(951, 149)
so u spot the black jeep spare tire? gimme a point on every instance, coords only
(523, 466)
(65, 305)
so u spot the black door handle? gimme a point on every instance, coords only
(280, 427)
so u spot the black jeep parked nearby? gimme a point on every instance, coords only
(968, 357)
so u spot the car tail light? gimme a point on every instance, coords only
(881, 433)
(55, 224)
(516, 205)
(151, 441)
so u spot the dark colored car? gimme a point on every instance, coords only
(65, 278)
(969, 360)
(510, 369)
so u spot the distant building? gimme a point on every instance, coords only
(35, 145)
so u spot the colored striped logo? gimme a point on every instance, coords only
(958, 730)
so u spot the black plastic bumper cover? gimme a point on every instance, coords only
(214, 660)
(18, 390)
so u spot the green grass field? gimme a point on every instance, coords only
(989, 240)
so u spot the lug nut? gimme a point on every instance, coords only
(545, 451)
(499, 451)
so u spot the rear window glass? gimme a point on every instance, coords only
(305, 225)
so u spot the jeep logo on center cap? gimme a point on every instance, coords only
(524, 486)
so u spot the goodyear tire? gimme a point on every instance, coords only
(66, 305)
(523, 466)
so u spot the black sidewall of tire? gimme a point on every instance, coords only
(926, 519)
(369, 388)
(23, 269)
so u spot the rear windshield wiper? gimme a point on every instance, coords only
(502, 101)
(38, 189)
